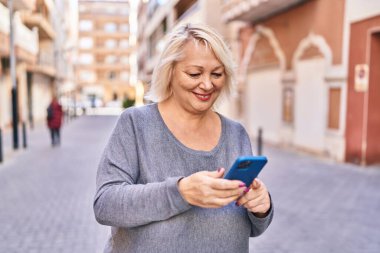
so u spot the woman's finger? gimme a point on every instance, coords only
(230, 193)
(225, 184)
(261, 208)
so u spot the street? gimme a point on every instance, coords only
(46, 194)
(46, 198)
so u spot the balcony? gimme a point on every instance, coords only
(104, 34)
(4, 30)
(101, 17)
(45, 62)
(34, 19)
(107, 51)
(40, 18)
(21, 4)
(255, 10)
(26, 40)
(103, 67)
(24, 4)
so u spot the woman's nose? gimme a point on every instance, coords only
(206, 84)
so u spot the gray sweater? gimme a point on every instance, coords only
(137, 190)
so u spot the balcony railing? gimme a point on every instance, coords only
(25, 38)
(46, 57)
(4, 19)
(45, 28)
(24, 4)
(255, 10)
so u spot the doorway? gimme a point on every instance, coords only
(373, 128)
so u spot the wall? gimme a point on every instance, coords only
(42, 95)
(313, 16)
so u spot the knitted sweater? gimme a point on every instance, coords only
(137, 191)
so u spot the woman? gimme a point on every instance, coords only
(160, 181)
(54, 121)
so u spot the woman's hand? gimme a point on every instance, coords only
(256, 200)
(208, 189)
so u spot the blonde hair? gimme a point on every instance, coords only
(173, 52)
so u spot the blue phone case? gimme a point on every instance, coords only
(246, 168)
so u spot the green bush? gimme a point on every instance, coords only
(128, 103)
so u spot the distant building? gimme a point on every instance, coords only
(66, 21)
(106, 64)
(304, 74)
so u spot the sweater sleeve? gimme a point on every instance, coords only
(119, 200)
(258, 225)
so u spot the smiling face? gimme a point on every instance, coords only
(197, 79)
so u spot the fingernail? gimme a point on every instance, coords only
(246, 190)
(219, 169)
(242, 185)
(236, 204)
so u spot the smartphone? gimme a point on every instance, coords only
(246, 168)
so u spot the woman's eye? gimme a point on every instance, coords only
(194, 75)
(217, 75)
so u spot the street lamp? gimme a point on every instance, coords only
(13, 77)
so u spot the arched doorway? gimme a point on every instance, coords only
(311, 60)
(264, 65)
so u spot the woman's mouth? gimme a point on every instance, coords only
(203, 97)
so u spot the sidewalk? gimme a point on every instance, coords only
(46, 193)
(40, 131)
(320, 206)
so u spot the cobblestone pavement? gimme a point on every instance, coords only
(46, 194)
(320, 206)
(46, 198)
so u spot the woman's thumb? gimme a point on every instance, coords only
(256, 184)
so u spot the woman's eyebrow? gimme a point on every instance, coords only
(201, 67)
(196, 66)
(219, 67)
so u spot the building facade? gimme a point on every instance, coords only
(301, 64)
(43, 66)
(26, 41)
(106, 64)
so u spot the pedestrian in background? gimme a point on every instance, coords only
(54, 121)
(160, 180)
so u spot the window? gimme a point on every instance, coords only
(287, 106)
(124, 60)
(334, 108)
(111, 75)
(87, 76)
(124, 28)
(110, 59)
(124, 44)
(86, 42)
(86, 58)
(110, 27)
(124, 76)
(111, 43)
(86, 25)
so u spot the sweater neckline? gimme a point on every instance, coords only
(184, 147)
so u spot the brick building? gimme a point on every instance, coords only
(303, 71)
